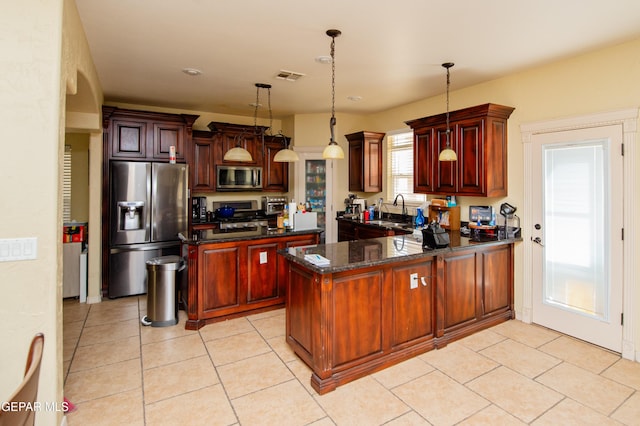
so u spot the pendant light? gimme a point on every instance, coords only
(238, 153)
(285, 155)
(448, 154)
(333, 150)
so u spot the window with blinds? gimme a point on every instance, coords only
(66, 185)
(400, 167)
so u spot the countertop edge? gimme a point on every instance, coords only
(425, 253)
(266, 234)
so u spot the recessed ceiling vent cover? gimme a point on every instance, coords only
(289, 75)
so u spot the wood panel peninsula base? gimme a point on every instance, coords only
(233, 274)
(384, 300)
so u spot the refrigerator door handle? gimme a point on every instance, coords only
(143, 247)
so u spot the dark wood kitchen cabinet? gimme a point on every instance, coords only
(209, 147)
(202, 170)
(479, 138)
(408, 304)
(365, 161)
(228, 136)
(143, 135)
(276, 175)
(477, 285)
(227, 279)
(413, 302)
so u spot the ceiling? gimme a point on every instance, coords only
(389, 54)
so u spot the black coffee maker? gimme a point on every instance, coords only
(434, 236)
(511, 226)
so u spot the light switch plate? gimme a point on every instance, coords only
(18, 249)
(414, 280)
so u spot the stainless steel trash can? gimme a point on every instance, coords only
(162, 309)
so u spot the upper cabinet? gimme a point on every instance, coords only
(365, 161)
(209, 147)
(276, 175)
(479, 138)
(141, 135)
(229, 136)
(202, 170)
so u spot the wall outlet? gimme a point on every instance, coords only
(18, 249)
(414, 280)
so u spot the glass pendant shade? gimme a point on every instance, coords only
(333, 151)
(238, 154)
(447, 154)
(285, 156)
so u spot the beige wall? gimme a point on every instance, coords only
(79, 143)
(31, 31)
(37, 38)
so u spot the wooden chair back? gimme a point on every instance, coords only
(21, 408)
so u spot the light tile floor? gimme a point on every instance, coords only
(241, 372)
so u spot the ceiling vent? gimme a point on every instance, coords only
(289, 75)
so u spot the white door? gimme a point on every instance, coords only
(578, 219)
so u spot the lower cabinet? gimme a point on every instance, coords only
(228, 279)
(347, 324)
(478, 284)
(414, 293)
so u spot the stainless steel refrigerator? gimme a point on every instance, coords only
(148, 208)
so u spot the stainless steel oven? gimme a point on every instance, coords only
(238, 178)
(273, 205)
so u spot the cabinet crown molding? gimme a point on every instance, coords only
(484, 110)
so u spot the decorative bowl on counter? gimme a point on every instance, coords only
(225, 212)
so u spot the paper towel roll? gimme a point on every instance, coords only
(293, 208)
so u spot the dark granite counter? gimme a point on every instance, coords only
(219, 235)
(349, 255)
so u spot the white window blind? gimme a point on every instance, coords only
(66, 185)
(400, 167)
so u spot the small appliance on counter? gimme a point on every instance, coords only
(198, 209)
(511, 226)
(434, 236)
(274, 205)
(354, 207)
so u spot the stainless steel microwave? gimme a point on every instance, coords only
(238, 178)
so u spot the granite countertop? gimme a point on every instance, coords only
(218, 235)
(349, 255)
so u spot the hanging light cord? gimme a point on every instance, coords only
(448, 129)
(255, 111)
(270, 113)
(332, 122)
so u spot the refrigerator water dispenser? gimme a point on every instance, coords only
(130, 215)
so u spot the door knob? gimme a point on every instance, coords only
(537, 240)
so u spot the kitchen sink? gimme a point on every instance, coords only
(389, 224)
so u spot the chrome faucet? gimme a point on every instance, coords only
(395, 203)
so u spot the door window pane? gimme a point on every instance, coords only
(576, 210)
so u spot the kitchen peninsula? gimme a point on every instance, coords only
(234, 273)
(380, 301)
